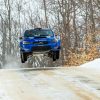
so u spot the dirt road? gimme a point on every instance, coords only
(50, 84)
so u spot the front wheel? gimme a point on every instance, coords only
(23, 57)
(54, 56)
(57, 54)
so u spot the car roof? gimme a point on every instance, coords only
(38, 29)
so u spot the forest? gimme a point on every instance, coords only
(76, 21)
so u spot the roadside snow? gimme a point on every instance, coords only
(92, 64)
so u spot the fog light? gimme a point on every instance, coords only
(56, 47)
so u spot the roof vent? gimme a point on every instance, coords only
(37, 28)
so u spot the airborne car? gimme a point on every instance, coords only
(39, 41)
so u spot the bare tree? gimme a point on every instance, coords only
(45, 10)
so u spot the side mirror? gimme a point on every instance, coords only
(20, 37)
(57, 36)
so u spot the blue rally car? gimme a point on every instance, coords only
(39, 40)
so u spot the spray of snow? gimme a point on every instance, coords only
(12, 62)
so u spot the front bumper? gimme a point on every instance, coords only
(40, 49)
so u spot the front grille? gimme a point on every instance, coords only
(41, 42)
(41, 48)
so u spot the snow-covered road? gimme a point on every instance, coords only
(50, 84)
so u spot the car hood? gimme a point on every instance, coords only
(36, 39)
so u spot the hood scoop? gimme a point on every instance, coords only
(40, 37)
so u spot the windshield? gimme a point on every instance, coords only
(32, 33)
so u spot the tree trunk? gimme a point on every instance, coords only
(9, 26)
(45, 9)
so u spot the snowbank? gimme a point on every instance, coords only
(92, 64)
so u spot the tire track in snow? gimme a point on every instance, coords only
(55, 84)
(79, 88)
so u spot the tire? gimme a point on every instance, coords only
(57, 54)
(23, 57)
(54, 56)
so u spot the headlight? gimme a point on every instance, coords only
(25, 42)
(54, 40)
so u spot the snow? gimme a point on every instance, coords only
(12, 62)
(57, 84)
(95, 64)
